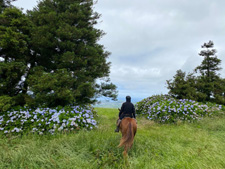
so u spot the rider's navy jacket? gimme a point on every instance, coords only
(127, 109)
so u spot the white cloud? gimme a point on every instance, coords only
(150, 39)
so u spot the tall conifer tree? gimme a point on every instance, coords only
(205, 86)
(68, 58)
(209, 68)
(14, 52)
(52, 52)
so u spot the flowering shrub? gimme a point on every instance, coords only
(142, 107)
(165, 109)
(46, 120)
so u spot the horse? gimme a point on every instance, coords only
(128, 128)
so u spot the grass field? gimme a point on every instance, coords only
(184, 145)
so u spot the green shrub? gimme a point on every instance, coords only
(142, 107)
(6, 103)
(46, 120)
(165, 109)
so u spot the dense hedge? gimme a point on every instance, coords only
(46, 120)
(165, 109)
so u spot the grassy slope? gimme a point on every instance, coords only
(199, 145)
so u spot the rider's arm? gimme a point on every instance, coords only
(121, 110)
(134, 111)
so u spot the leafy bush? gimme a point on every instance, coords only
(45, 120)
(6, 102)
(165, 109)
(142, 107)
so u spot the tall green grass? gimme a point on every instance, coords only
(184, 145)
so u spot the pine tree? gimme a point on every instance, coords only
(14, 52)
(219, 91)
(208, 69)
(203, 87)
(178, 86)
(5, 4)
(51, 55)
(68, 58)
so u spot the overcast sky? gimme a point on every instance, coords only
(151, 39)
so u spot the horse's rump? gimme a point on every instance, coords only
(128, 128)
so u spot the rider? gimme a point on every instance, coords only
(127, 110)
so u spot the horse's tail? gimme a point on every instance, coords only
(128, 138)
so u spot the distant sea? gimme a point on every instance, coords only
(111, 104)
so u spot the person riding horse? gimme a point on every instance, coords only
(127, 110)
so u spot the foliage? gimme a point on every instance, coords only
(165, 109)
(205, 86)
(6, 103)
(50, 56)
(45, 120)
(68, 56)
(183, 86)
(208, 68)
(184, 145)
(186, 86)
(5, 4)
(143, 106)
(14, 52)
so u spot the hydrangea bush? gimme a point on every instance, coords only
(46, 120)
(165, 109)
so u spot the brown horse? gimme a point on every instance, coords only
(128, 128)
